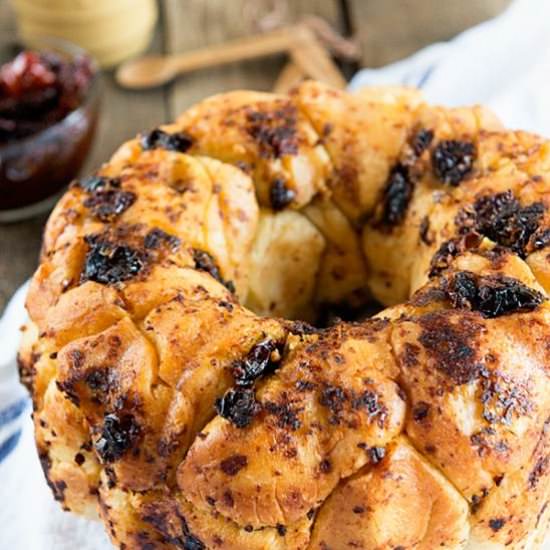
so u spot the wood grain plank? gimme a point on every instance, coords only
(7, 27)
(123, 114)
(392, 29)
(197, 23)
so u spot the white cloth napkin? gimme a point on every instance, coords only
(503, 63)
(30, 519)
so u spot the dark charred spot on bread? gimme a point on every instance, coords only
(492, 296)
(58, 488)
(205, 262)
(325, 466)
(540, 470)
(449, 250)
(191, 542)
(358, 510)
(263, 358)
(286, 416)
(281, 529)
(502, 218)
(498, 479)
(159, 139)
(143, 541)
(45, 462)
(409, 356)
(232, 465)
(168, 445)
(327, 129)
(109, 263)
(421, 140)
(451, 344)
(301, 328)
(173, 527)
(155, 518)
(245, 167)
(453, 161)
(333, 398)
(99, 379)
(443, 256)
(79, 458)
(369, 401)
(541, 239)
(118, 435)
(502, 398)
(478, 499)
(280, 196)
(274, 131)
(67, 387)
(376, 454)
(228, 306)
(106, 203)
(496, 524)
(424, 231)
(420, 411)
(156, 238)
(76, 359)
(397, 195)
(27, 371)
(488, 441)
(92, 184)
(238, 405)
(188, 541)
(305, 385)
(227, 498)
(100, 382)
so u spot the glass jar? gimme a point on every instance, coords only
(111, 30)
(35, 169)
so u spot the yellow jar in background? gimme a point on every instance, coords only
(111, 30)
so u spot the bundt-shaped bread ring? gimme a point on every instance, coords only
(179, 392)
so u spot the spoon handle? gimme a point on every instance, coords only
(251, 47)
(314, 60)
(291, 75)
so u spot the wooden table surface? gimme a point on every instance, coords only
(387, 30)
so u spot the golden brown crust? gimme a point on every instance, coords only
(187, 421)
(402, 496)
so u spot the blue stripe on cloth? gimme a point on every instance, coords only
(10, 413)
(9, 445)
(425, 76)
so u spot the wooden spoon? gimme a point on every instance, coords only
(314, 60)
(290, 76)
(155, 70)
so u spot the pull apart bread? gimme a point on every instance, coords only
(179, 392)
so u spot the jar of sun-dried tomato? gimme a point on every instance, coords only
(49, 100)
